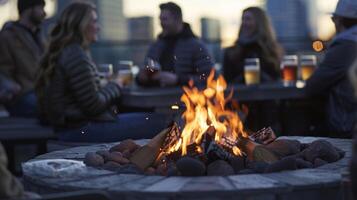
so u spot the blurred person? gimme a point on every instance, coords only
(70, 96)
(10, 187)
(177, 51)
(330, 79)
(256, 40)
(21, 47)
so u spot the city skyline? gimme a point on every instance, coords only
(228, 12)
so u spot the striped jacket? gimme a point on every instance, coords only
(74, 96)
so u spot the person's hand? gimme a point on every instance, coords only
(264, 136)
(8, 90)
(143, 76)
(166, 78)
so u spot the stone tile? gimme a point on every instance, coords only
(171, 184)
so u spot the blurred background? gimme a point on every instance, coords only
(129, 26)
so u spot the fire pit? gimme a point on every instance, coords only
(303, 183)
(212, 142)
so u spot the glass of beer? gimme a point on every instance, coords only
(252, 71)
(105, 72)
(308, 66)
(124, 72)
(289, 69)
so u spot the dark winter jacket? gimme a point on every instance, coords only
(182, 54)
(74, 96)
(20, 53)
(331, 79)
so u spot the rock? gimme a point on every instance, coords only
(150, 171)
(321, 149)
(126, 154)
(172, 171)
(111, 166)
(104, 154)
(161, 170)
(94, 160)
(220, 168)
(190, 167)
(304, 146)
(258, 167)
(125, 145)
(319, 162)
(300, 163)
(238, 163)
(283, 164)
(283, 147)
(247, 171)
(130, 169)
(118, 157)
(340, 152)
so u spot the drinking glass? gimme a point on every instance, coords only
(124, 72)
(308, 66)
(152, 66)
(252, 71)
(289, 68)
(105, 70)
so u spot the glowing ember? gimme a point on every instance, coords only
(205, 108)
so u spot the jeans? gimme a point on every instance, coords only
(127, 126)
(25, 106)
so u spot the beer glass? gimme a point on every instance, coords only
(308, 66)
(289, 68)
(252, 71)
(124, 72)
(105, 72)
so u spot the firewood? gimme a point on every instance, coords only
(262, 154)
(146, 155)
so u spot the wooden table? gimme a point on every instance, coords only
(319, 183)
(136, 96)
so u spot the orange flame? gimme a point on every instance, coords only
(207, 108)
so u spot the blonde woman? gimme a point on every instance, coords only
(256, 40)
(70, 97)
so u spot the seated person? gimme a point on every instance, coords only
(7, 89)
(256, 40)
(330, 78)
(178, 52)
(70, 96)
(21, 48)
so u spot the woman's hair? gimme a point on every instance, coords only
(69, 29)
(265, 36)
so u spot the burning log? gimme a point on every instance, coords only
(145, 156)
(256, 152)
